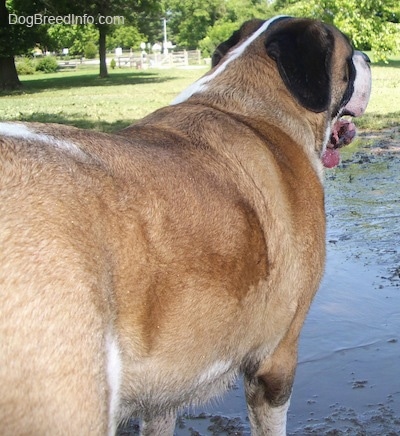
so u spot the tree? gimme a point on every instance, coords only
(189, 20)
(8, 73)
(233, 14)
(74, 37)
(205, 23)
(370, 24)
(20, 38)
(150, 24)
(126, 37)
(16, 38)
(221, 31)
(103, 11)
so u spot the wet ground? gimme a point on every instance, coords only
(348, 377)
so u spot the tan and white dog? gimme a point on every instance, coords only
(143, 271)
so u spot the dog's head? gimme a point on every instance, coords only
(304, 61)
(315, 60)
(317, 65)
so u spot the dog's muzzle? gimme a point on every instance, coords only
(362, 85)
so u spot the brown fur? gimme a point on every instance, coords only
(195, 236)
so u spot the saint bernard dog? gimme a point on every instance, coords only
(143, 271)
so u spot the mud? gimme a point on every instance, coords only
(348, 377)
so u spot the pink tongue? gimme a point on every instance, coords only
(331, 158)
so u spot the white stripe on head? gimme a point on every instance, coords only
(18, 130)
(200, 84)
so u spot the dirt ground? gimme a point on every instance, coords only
(348, 377)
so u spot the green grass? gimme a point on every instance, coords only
(82, 99)
(384, 107)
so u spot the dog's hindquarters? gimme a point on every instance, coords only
(52, 349)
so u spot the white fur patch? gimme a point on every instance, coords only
(362, 86)
(215, 371)
(17, 130)
(276, 418)
(114, 374)
(201, 84)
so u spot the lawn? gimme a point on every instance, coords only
(82, 99)
(384, 108)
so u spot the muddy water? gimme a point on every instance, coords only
(348, 377)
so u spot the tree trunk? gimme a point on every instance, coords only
(102, 51)
(8, 74)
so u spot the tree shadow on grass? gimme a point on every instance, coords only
(76, 120)
(87, 79)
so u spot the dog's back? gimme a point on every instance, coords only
(117, 252)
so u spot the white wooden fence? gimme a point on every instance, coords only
(159, 60)
(142, 60)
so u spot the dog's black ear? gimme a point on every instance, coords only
(224, 47)
(246, 29)
(303, 53)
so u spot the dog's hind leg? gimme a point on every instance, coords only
(161, 425)
(268, 392)
(266, 417)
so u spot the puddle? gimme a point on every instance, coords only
(363, 206)
(348, 377)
